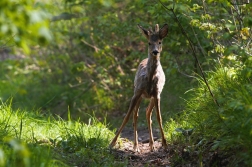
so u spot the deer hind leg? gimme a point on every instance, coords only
(133, 102)
(159, 119)
(135, 117)
(149, 121)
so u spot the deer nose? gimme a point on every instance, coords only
(155, 52)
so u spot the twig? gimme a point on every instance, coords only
(92, 46)
(189, 76)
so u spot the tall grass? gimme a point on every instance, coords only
(32, 139)
(228, 127)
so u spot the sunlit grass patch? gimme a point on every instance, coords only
(30, 139)
(225, 128)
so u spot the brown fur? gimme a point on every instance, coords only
(149, 82)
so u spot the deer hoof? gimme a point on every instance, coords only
(112, 144)
(136, 149)
(164, 145)
(152, 148)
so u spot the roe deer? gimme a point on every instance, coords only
(149, 82)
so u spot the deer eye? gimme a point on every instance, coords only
(149, 43)
(160, 43)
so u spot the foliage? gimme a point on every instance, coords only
(33, 139)
(23, 23)
(227, 123)
(88, 67)
(90, 63)
(227, 126)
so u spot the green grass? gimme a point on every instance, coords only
(33, 139)
(228, 127)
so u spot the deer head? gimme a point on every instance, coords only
(155, 39)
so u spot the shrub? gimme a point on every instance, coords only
(229, 126)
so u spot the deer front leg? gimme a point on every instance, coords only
(159, 119)
(135, 117)
(149, 121)
(126, 118)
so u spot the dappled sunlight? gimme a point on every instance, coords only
(67, 72)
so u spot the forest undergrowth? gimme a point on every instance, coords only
(35, 139)
(204, 133)
(67, 70)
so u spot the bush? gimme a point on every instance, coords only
(228, 127)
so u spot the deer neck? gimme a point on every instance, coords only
(152, 65)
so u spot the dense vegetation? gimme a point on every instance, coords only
(66, 66)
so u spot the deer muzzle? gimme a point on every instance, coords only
(155, 52)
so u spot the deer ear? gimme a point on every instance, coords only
(163, 31)
(144, 31)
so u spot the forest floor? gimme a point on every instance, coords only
(174, 155)
(160, 157)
